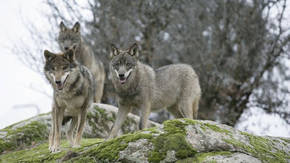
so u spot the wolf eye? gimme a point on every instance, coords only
(128, 65)
(116, 64)
(65, 67)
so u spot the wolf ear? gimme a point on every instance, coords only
(62, 27)
(70, 55)
(76, 27)
(114, 51)
(48, 55)
(133, 50)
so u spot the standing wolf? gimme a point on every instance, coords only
(175, 87)
(72, 37)
(73, 89)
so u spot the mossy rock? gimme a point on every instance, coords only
(179, 140)
(40, 152)
(23, 136)
(100, 119)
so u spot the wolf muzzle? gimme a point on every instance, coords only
(60, 83)
(123, 77)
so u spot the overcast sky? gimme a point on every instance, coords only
(16, 79)
(19, 101)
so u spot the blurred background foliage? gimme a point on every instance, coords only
(238, 49)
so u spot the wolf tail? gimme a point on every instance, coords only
(66, 119)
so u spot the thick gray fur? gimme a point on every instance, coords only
(175, 87)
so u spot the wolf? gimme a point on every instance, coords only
(68, 38)
(175, 87)
(73, 89)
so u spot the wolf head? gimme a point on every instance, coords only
(59, 68)
(124, 63)
(68, 38)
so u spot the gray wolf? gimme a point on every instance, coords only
(68, 38)
(73, 91)
(175, 87)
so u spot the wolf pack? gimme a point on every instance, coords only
(77, 77)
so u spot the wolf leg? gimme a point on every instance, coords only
(185, 108)
(51, 137)
(52, 130)
(80, 128)
(58, 121)
(70, 132)
(145, 112)
(121, 116)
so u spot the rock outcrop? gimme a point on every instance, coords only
(100, 120)
(179, 140)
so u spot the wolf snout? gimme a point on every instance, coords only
(58, 82)
(121, 76)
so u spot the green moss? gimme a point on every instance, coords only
(206, 126)
(82, 160)
(175, 126)
(4, 145)
(217, 129)
(101, 117)
(126, 125)
(104, 115)
(237, 143)
(261, 148)
(172, 140)
(191, 121)
(109, 150)
(187, 160)
(152, 130)
(32, 132)
(202, 157)
(41, 153)
(286, 140)
(25, 135)
(92, 119)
